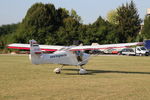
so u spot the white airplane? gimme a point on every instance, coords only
(63, 55)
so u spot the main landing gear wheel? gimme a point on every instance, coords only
(57, 70)
(82, 71)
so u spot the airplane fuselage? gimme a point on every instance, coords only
(60, 57)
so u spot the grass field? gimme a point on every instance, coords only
(110, 78)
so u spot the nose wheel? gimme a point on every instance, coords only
(57, 70)
(82, 71)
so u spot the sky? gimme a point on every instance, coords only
(13, 11)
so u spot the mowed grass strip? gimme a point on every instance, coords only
(109, 78)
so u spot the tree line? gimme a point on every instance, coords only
(48, 25)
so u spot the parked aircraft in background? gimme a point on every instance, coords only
(63, 55)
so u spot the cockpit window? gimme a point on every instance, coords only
(79, 55)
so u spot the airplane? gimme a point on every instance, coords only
(63, 55)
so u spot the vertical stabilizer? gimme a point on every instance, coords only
(35, 52)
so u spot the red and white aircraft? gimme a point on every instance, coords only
(63, 55)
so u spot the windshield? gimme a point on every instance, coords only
(143, 48)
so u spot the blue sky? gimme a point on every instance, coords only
(13, 11)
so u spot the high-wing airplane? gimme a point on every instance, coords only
(63, 55)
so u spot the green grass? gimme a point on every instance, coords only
(110, 78)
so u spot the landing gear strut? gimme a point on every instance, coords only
(82, 71)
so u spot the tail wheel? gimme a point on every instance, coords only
(57, 70)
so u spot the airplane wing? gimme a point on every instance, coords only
(27, 47)
(74, 48)
(106, 46)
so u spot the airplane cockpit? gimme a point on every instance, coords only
(79, 55)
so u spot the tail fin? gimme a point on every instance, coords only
(34, 47)
(35, 52)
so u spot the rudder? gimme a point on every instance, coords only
(35, 52)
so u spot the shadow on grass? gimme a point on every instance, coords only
(121, 72)
(76, 72)
(91, 72)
